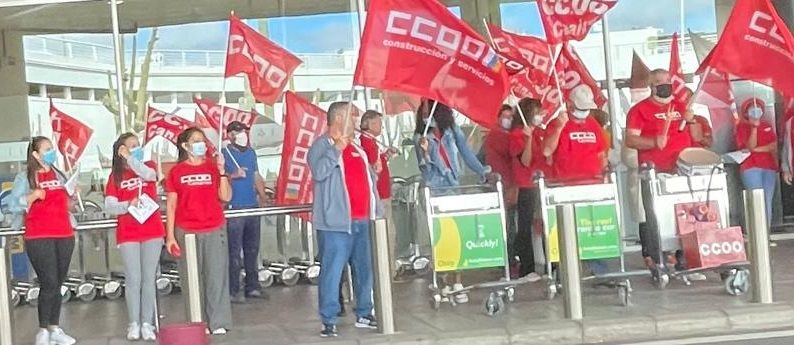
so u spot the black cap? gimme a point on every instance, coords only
(236, 126)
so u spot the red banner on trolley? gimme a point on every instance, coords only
(421, 48)
(303, 123)
(71, 135)
(566, 20)
(267, 65)
(166, 125)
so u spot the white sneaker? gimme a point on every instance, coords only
(533, 277)
(460, 298)
(696, 276)
(43, 337)
(147, 332)
(219, 331)
(133, 332)
(58, 337)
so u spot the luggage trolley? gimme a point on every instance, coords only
(598, 227)
(672, 196)
(467, 232)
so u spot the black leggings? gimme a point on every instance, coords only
(50, 259)
(527, 201)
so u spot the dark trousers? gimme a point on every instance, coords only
(527, 201)
(244, 233)
(649, 238)
(50, 259)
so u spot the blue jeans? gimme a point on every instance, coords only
(757, 178)
(243, 252)
(336, 250)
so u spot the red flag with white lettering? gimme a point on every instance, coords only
(212, 113)
(71, 135)
(755, 45)
(566, 20)
(677, 72)
(303, 123)
(166, 125)
(421, 48)
(572, 72)
(267, 65)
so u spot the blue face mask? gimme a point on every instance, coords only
(199, 149)
(755, 113)
(137, 153)
(50, 157)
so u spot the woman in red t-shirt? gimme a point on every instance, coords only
(140, 240)
(757, 136)
(40, 192)
(197, 187)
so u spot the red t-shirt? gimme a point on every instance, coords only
(765, 136)
(370, 146)
(198, 208)
(525, 175)
(129, 230)
(648, 116)
(355, 168)
(497, 155)
(49, 218)
(704, 124)
(579, 152)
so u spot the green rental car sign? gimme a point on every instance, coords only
(463, 242)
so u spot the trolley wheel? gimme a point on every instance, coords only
(112, 290)
(66, 294)
(15, 298)
(313, 274)
(738, 283)
(86, 292)
(421, 265)
(624, 295)
(290, 276)
(32, 296)
(266, 278)
(164, 286)
(435, 301)
(493, 304)
(510, 294)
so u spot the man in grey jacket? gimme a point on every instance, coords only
(345, 201)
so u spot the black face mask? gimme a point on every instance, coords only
(664, 90)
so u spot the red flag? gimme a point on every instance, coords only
(572, 72)
(164, 124)
(421, 48)
(212, 114)
(677, 72)
(303, 123)
(522, 52)
(639, 79)
(395, 103)
(267, 65)
(755, 45)
(565, 20)
(71, 134)
(788, 108)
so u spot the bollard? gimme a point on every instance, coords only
(191, 283)
(6, 313)
(758, 229)
(384, 306)
(569, 262)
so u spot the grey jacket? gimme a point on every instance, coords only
(331, 207)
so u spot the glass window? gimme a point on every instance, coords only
(55, 91)
(162, 97)
(81, 93)
(34, 90)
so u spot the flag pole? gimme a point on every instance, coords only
(610, 79)
(349, 110)
(432, 112)
(512, 93)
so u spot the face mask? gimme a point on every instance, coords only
(49, 157)
(506, 123)
(198, 149)
(581, 114)
(664, 91)
(537, 120)
(755, 113)
(241, 139)
(137, 153)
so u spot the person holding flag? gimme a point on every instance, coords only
(757, 136)
(139, 240)
(195, 189)
(345, 201)
(707, 138)
(40, 198)
(243, 232)
(439, 142)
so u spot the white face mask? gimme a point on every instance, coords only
(241, 139)
(506, 123)
(537, 120)
(755, 113)
(581, 114)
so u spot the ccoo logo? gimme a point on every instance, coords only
(721, 248)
